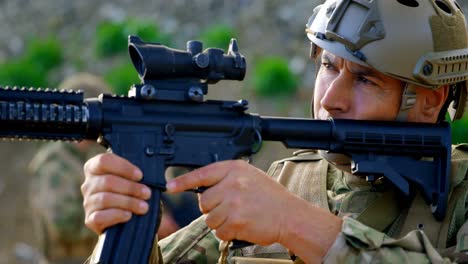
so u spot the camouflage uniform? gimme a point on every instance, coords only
(55, 197)
(57, 202)
(395, 231)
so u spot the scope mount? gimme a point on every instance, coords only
(170, 90)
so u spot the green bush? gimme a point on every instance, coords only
(46, 54)
(21, 73)
(112, 37)
(272, 77)
(217, 36)
(147, 31)
(121, 78)
(32, 68)
(459, 131)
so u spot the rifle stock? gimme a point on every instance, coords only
(165, 122)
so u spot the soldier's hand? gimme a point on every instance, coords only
(111, 193)
(242, 202)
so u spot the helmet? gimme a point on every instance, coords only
(421, 42)
(90, 84)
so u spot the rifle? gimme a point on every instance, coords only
(165, 121)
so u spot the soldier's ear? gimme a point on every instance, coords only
(431, 102)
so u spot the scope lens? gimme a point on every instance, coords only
(137, 60)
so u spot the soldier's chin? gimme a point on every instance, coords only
(341, 161)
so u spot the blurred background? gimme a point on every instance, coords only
(43, 42)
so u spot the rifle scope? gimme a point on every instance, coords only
(154, 61)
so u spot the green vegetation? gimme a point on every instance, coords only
(217, 36)
(271, 76)
(459, 131)
(45, 54)
(33, 67)
(20, 73)
(148, 31)
(111, 37)
(121, 78)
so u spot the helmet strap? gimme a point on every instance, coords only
(448, 102)
(408, 99)
(318, 63)
(457, 100)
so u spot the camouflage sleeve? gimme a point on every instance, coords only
(55, 195)
(358, 243)
(194, 243)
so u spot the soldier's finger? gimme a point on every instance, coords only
(217, 217)
(225, 232)
(109, 163)
(203, 177)
(209, 199)
(98, 221)
(106, 200)
(119, 185)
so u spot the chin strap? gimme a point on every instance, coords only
(459, 101)
(408, 99)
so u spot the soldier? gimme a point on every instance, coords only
(55, 192)
(55, 189)
(377, 61)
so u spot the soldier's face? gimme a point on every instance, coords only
(347, 90)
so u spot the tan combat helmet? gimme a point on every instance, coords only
(91, 85)
(421, 42)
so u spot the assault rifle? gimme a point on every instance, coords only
(165, 121)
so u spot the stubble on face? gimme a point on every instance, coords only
(349, 90)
